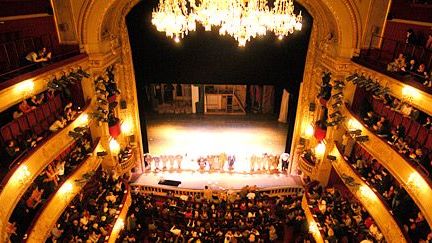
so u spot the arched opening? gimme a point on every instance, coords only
(210, 61)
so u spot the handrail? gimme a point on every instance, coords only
(390, 227)
(417, 186)
(21, 176)
(61, 199)
(120, 216)
(52, 195)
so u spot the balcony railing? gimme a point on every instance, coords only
(120, 217)
(377, 58)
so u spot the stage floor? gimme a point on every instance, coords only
(215, 180)
(201, 135)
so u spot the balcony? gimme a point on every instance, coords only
(373, 202)
(13, 53)
(20, 177)
(312, 220)
(417, 186)
(44, 222)
(378, 58)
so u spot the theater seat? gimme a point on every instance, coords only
(422, 136)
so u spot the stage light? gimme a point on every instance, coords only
(177, 39)
(127, 127)
(66, 189)
(280, 37)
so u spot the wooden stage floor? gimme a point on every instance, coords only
(201, 135)
(216, 180)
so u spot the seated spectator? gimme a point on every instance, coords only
(12, 149)
(428, 123)
(37, 100)
(411, 67)
(402, 146)
(35, 198)
(16, 114)
(370, 119)
(41, 56)
(411, 37)
(429, 42)
(25, 107)
(406, 109)
(382, 127)
(399, 64)
(397, 132)
(58, 124)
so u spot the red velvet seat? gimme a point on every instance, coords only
(15, 129)
(379, 108)
(422, 136)
(428, 143)
(38, 130)
(58, 104)
(48, 114)
(406, 123)
(6, 133)
(397, 119)
(413, 131)
(31, 118)
(53, 107)
(23, 123)
(375, 103)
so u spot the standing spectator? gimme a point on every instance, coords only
(429, 42)
(410, 37)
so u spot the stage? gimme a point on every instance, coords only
(192, 136)
(217, 181)
(199, 135)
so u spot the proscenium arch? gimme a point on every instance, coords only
(102, 25)
(339, 17)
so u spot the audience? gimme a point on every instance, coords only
(45, 184)
(225, 217)
(90, 216)
(341, 219)
(395, 196)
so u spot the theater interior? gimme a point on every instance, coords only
(216, 121)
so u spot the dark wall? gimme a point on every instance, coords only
(207, 58)
(24, 7)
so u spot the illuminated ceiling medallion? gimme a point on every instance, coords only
(241, 19)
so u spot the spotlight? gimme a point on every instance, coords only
(362, 139)
(337, 96)
(176, 39)
(337, 104)
(335, 114)
(280, 37)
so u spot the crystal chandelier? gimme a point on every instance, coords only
(241, 19)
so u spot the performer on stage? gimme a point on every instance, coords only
(284, 159)
(231, 160)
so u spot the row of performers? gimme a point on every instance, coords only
(220, 162)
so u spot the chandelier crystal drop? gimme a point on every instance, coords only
(241, 19)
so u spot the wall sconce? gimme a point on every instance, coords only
(367, 193)
(353, 124)
(22, 175)
(320, 150)
(127, 127)
(309, 131)
(25, 87)
(415, 181)
(409, 93)
(313, 228)
(114, 146)
(82, 120)
(66, 190)
(119, 225)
